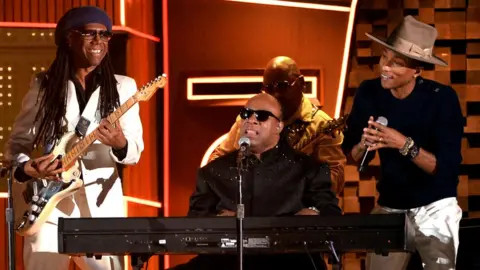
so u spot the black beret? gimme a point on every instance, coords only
(78, 17)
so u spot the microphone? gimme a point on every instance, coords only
(244, 144)
(382, 121)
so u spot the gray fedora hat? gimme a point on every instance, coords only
(413, 39)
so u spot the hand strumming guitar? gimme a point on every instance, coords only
(42, 167)
(111, 135)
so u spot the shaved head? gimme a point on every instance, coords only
(284, 66)
(266, 102)
(283, 80)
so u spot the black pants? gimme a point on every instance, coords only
(255, 262)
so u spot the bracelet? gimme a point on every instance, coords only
(406, 147)
(314, 209)
(414, 151)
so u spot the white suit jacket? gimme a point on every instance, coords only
(102, 194)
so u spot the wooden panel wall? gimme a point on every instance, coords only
(458, 24)
(50, 11)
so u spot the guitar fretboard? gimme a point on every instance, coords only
(83, 144)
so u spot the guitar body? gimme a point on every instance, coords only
(39, 197)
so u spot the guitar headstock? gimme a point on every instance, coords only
(147, 91)
(334, 126)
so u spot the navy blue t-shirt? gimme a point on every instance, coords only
(432, 117)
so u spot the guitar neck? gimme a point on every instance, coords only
(329, 128)
(83, 144)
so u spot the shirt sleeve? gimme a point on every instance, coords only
(319, 192)
(203, 201)
(449, 128)
(20, 142)
(228, 145)
(131, 126)
(328, 150)
(357, 120)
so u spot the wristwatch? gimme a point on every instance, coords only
(413, 151)
(314, 209)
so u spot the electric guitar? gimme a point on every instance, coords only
(41, 196)
(330, 127)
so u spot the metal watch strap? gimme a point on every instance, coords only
(406, 147)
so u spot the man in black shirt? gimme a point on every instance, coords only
(419, 150)
(279, 181)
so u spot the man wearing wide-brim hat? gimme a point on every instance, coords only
(418, 142)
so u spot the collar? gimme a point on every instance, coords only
(97, 72)
(304, 112)
(268, 156)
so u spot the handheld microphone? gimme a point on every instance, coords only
(382, 121)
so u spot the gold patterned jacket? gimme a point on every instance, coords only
(302, 129)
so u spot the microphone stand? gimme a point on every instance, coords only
(9, 215)
(240, 206)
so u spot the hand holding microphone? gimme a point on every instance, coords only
(369, 136)
(369, 139)
(377, 135)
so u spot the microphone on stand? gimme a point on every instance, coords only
(243, 152)
(9, 166)
(382, 121)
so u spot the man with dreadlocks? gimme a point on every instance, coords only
(76, 93)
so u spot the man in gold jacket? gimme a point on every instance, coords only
(304, 120)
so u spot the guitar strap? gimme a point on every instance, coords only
(88, 115)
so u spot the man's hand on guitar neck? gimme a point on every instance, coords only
(111, 135)
(42, 167)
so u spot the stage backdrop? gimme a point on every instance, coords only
(216, 38)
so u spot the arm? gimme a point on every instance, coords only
(352, 146)
(448, 132)
(203, 201)
(318, 192)
(328, 150)
(131, 126)
(448, 141)
(20, 142)
(229, 144)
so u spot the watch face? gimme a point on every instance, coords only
(414, 151)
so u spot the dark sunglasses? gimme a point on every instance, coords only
(91, 34)
(280, 85)
(261, 115)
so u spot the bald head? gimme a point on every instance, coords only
(283, 79)
(264, 101)
(282, 66)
